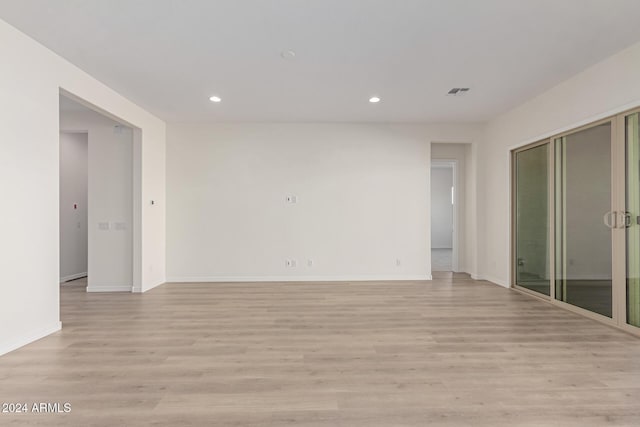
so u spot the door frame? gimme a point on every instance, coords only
(513, 211)
(455, 246)
(136, 225)
(622, 165)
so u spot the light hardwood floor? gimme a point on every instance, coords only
(451, 352)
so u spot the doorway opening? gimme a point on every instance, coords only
(444, 250)
(96, 200)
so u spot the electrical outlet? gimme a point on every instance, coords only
(309, 263)
(290, 263)
(398, 262)
(292, 199)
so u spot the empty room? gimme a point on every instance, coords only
(320, 213)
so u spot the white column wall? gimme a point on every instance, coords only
(30, 82)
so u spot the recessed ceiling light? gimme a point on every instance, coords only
(215, 98)
(374, 99)
(288, 54)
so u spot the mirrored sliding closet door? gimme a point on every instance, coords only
(576, 220)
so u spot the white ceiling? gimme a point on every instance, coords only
(169, 56)
(67, 104)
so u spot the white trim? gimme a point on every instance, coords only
(137, 278)
(73, 277)
(510, 180)
(107, 288)
(148, 288)
(453, 165)
(442, 163)
(29, 337)
(354, 278)
(495, 281)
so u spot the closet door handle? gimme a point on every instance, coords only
(625, 220)
(610, 219)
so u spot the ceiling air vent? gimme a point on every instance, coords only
(458, 91)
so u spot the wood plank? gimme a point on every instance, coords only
(450, 352)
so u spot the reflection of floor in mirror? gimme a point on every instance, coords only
(441, 259)
(538, 285)
(593, 295)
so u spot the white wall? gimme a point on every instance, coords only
(607, 88)
(30, 81)
(73, 205)
(362, 200)
(110, 189)
(441, 207)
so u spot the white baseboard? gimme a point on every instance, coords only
(115, 288)
(29, 337)
(139, 289)
(148, 288)
(496, 281)
(73, 277)
(588, 277)
(355, 278)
